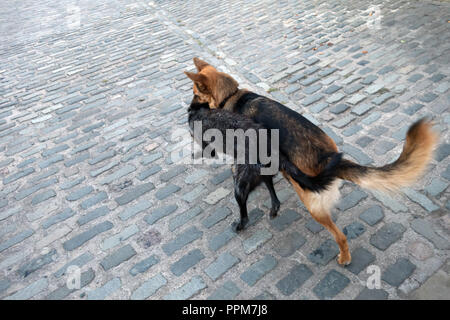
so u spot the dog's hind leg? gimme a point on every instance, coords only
(268, 181)
(319, 206)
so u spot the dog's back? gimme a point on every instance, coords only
(223, 120)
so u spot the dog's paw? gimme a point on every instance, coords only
(274, 211)
(239, 225)
(344, 259)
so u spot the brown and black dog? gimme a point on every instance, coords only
(310, 149)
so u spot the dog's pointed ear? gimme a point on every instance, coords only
(199, 79)
(200, 64)
(196, 77)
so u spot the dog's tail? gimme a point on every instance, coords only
(417, 152)
(317, 183)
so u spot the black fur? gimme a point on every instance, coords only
(248, 176)
(295, 133)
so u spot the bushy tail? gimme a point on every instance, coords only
(417, 152)
(316, 183)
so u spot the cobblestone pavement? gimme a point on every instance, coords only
(93, 92)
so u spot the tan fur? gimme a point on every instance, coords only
(213, 87)
(417, 153)
(319, 206)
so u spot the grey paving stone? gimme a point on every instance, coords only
(383, 147)
(264, 296)
(79, 261)
(30, 291)
(332, 284)
(112, 164)
(71, 183)
(361, 259)
(351, 200)
(428, 97)
(135, 193)
(63, 215)
(421, 199)
(442, 152)
(189, 235)
(172, 173)
(221, 177)
(289, 244)
(372, 294)
(221, 239)
(37, 263)
(77, 159)
(9, 212)
(218, 215)
(127, 169)
(296, 277)
(317, 108)
(374, 116)
(50, 161)
(311, 99)
(373, 215)
(106, 290)
(188, 290)
(83, 237)
(166, 191)
(413, 109)
(119, 237)
(387, 235)
(132, 211)
(354, 230)
(149, 172)
(228, 291)
(79, 193)
(19, 237)
(339, 108)
(284, 219)
(18, 175)
(314, 226)
(95, 199)
(160, 213)
(144, 265)
(258, 270)
(149, 287)
(102, 157)
(426, 229)
(184, 218)
(43, 196)
(256, 240)
(117, 257)
(332, 89)
(186, 262)
(151, 158)
(398, 272)
(4, 284)
(221, 265)
(62, 292)
(325, 253)
(436, 187)
(446, 174)
(357, 154)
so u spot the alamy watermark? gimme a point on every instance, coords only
(211, 146)
(374, 280)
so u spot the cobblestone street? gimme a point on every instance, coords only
(93, 94)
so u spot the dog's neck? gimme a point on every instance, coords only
(224, 101)
(229, 102)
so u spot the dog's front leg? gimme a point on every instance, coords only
(241, 191)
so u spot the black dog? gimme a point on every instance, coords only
(248, 176)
